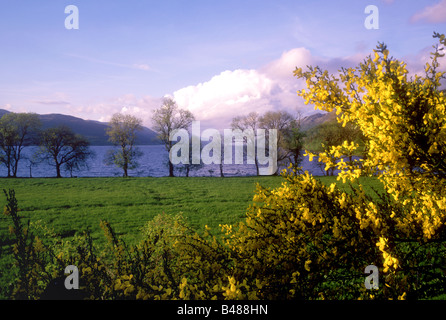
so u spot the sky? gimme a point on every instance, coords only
(218, 59)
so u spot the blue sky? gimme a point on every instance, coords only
(217, 58)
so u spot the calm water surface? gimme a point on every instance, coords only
(153, 163)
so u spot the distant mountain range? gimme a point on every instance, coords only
(316, 119)
(94, 131)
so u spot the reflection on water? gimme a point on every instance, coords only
(153, 163)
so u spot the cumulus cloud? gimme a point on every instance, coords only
(226, 95)
(238, 92)
(271, 87)
(431, 14)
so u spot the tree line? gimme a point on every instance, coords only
(59, 146)
(62, 148)
(65, 150)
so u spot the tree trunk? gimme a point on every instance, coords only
(257, 165)
(58, 170)
(125, 167)
(16, 162)
(171, 169)
(8, 155)
(221, 170)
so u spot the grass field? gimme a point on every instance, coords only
(70, 205)
(73, 205)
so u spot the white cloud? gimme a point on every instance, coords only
(431, 14)
(283, 67)
(271, 87)
(241, 91)
(226, 95)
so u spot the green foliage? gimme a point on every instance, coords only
(17, 130)
(166, 120)
(122, 133)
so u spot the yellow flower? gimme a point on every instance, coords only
(307, 265)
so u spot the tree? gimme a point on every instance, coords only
(17, 130)
(168, 118)
(289, 139)
(122, 133)
(247, 122)
(294, 142)
(60, 146)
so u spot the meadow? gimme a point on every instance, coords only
(73, 205)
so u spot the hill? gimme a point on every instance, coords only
(94, 131)
(316, 119)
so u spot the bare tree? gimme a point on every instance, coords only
(290, 135)
(168, 118)
(247, 122)
(62, 147)
(122, 133)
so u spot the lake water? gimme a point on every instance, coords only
(153, 163)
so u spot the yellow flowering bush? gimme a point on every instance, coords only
(404, 122)
(302, 241)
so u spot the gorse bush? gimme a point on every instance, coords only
(404, 123)
(304, 239)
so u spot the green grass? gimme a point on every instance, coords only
(74, 205)
(69, 205)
